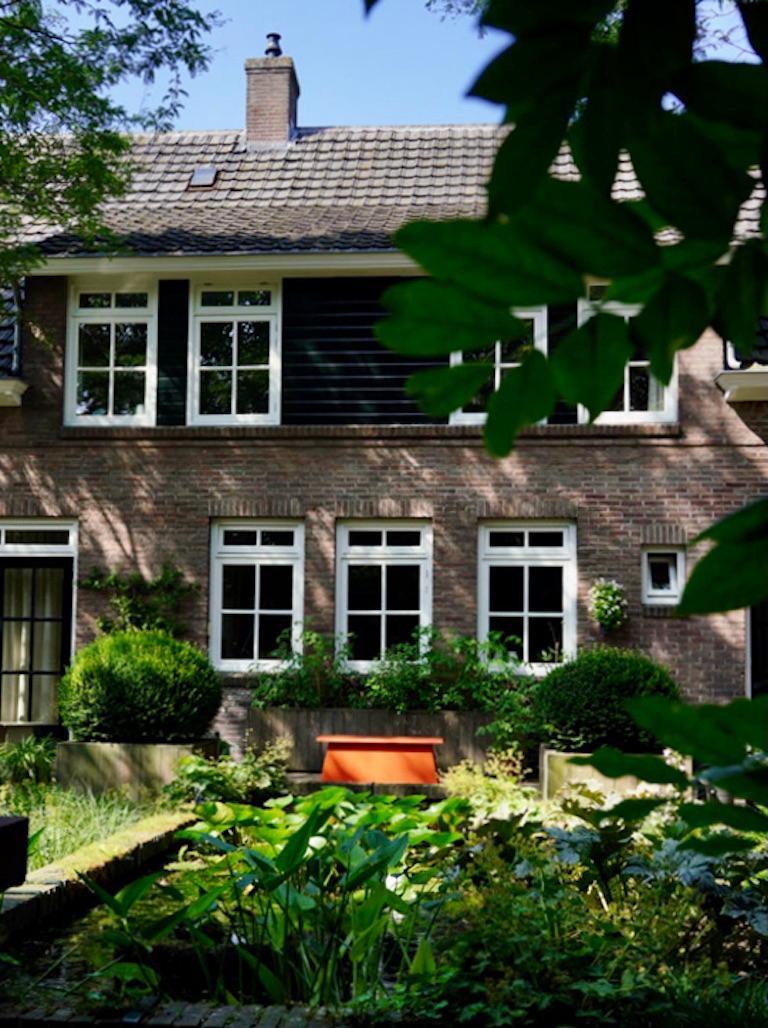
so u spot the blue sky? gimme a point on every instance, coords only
(400, 65)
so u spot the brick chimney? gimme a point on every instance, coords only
(272, 90)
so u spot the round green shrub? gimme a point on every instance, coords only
(139, 686)
(580, 705)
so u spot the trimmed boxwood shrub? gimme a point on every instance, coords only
(139, 687)
(581, 704)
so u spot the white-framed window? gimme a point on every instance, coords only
(111, 363)
(38, 560)
(527, 589)
(641, 397)
(502, 355)
(234, 373)
(663, 574)
(257, 592)
(383, 586)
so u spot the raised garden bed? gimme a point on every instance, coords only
(135, 767)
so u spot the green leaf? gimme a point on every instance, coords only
(718, 845)
(614, 764)
(424, 964)
(272, 984)
(136, 890)
(584, 229)
(673, 319)
(729, 577)
(111, 902)
(440, 391)
(704, 815)
(596, 134)
(431, 319)
(634, 809)
(588, 365)
(492, 261)
(526, 395)
(749, 524)
(743, 296)
(292, 855)
(733, 92)
(668, 158)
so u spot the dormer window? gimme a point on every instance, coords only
(235, 375)
(111, 363)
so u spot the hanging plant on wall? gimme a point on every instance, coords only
(607, 604)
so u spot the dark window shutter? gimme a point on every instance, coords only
(172, 343)
(335, 372)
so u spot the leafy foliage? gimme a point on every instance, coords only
(599, 78)
(252, 779)
(62, 149)
(608, 604)
(139, 686)
(28, 760)
(140, 602)
(582, 703)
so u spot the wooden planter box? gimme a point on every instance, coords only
(302, 727)
(555, 771)
(134, 767)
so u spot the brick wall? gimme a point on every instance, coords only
(144, 496)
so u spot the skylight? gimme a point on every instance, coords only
(200, 177)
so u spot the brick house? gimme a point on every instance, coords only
(214, 396)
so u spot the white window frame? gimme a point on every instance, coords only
(68, 549)
(253, 557)
(662, 597)
(200, 314)
(347, 555)
(525, 556)
(539, 317)
(111, 315)
(586, 309)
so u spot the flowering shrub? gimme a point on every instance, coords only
(607, 603)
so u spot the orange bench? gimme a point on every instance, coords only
(388, 759)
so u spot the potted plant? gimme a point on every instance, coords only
(580, 706)
(608, 604)
(436, 685)
(134, 703)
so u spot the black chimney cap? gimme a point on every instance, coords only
(273, 45)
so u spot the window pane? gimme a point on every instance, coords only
(95, 301)
(545, 588)
(545, 538)
(661, 567)
(38, 536)
(364, 587)
(253, 342)
(17, 645)
(17, 597)
(638, 388)
(403, 587)
(237, 636)
(505, 587)
(239, 587)
(655, 394)
(400, 628)
(130, 344)
(215, 392)
(365, 636)
(271, 627)
(502, 538)
(93, 346)
(545, 639)
(511, 631)
(276, 582)
(129, 392)
(44, 691)
(252, 392)
(363, 537)
(254, 297)
(217, 298)
(49, 587)
(131, 299)
(13, 691)
(46, 649)
(239, 537)
(403, 537)
(216, 343)
(92, 392)
(276, 537)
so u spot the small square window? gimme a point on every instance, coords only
(663, 576)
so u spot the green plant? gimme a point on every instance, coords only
(28, 760)
(313, 677)
(139, 602)
(250, 780)
(139, 686)
(608, 604)
(581, 704)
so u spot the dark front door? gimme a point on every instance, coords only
(35, 636)
(758, 649)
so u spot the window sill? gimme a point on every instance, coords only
(472, 434)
